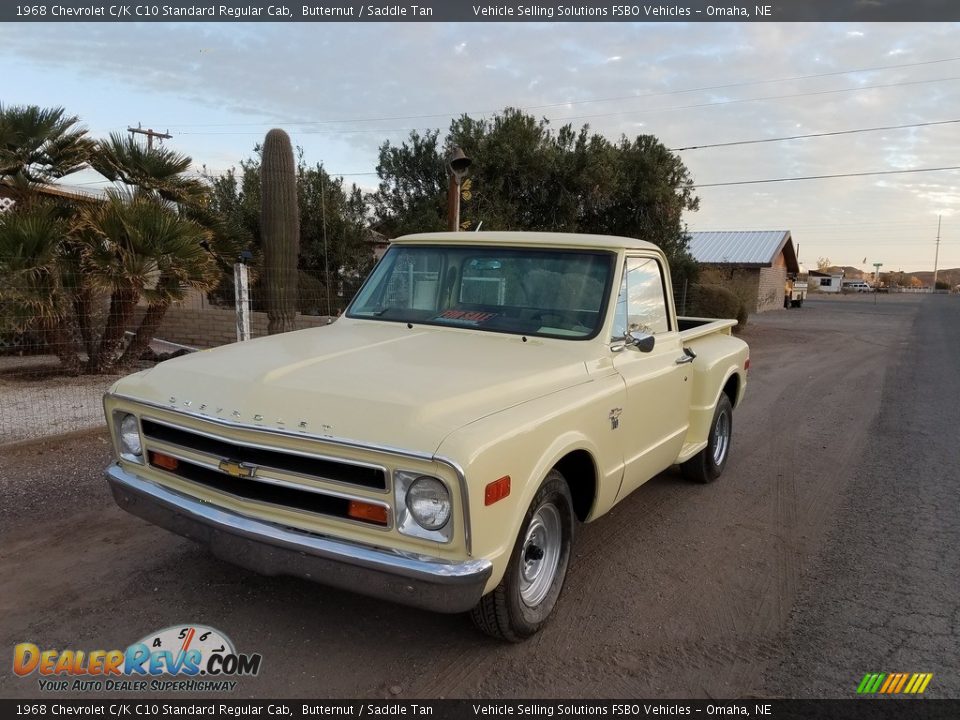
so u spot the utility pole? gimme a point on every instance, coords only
(936, 256)
(149, 132)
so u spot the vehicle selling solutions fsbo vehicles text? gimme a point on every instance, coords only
(616, 11)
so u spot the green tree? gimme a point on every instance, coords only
(333, 231)
(412, 191)
(528, 176)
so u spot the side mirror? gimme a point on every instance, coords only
(641, 341)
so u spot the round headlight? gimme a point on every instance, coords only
(130, 436)
(429, 503)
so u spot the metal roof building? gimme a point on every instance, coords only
(758, 260)
(745, 248)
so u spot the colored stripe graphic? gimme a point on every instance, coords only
(903, 679)
(890, 682)
(894, 683)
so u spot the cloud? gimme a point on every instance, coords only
(329, 83)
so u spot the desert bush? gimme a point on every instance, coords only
(715, 301)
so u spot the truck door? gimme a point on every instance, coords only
(654, 421)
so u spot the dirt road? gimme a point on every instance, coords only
(827, 550)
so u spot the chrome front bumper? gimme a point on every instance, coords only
(270, 549)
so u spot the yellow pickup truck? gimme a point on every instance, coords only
(438, 444)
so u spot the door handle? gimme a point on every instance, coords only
(688, 357)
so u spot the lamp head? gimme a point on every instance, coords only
(458, 162)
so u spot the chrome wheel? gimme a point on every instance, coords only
(721, 438)
(540, 555)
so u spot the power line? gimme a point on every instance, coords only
(614, 98)
(759, 99)
(826, 177)
(814, 135)
(343, 131)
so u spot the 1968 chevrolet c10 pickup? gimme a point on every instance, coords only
(439, 443)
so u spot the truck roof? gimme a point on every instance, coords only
(545, 239)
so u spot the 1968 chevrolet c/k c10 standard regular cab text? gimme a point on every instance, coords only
(439, 443)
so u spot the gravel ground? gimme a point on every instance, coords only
(885, 594)
(827, 550)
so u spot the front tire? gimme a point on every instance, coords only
(708, 464)
(520, 605)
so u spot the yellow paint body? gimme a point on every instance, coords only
(463, 405)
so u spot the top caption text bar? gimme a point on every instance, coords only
(476, 11)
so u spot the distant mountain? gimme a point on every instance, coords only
(849, 272)
(950, 276)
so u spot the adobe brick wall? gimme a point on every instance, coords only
(771, 288)
(214, 326)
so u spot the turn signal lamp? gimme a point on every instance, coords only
(164, 461)
(497, 490)
(367, 512)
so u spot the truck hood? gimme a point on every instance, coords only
(370, 381)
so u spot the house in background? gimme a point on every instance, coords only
(8, 194)
(828, 282)
(761, 259)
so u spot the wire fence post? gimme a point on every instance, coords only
(683, 301)
(242, 293)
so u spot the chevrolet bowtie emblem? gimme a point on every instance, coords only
(240, 470)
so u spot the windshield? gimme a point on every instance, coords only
(550, 293)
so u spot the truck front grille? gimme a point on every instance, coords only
(320, 468)
(265, 491)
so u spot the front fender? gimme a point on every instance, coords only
(525, 442)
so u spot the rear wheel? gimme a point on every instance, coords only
(708, 464)
(520, 605)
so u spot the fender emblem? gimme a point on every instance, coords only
(238, 470)
(615, 418)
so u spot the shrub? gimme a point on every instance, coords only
(715, 301)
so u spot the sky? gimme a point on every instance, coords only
(341, 89)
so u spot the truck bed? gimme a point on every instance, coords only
(692, 328)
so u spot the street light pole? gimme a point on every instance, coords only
(876, 280)
(457, 165)
(936, 256)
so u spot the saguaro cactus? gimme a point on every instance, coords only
(280, 230)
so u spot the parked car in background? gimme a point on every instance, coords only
(795, 291)
(856, 286)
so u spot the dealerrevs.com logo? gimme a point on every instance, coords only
(185, 658)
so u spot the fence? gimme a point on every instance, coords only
(48, 380)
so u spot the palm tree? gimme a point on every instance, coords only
(148, 240)
(31, 288)
(157, 170)
(38, 145)
(140, 246)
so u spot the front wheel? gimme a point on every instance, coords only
(708, 464)
(520, 605)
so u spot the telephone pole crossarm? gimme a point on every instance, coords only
(151, 134)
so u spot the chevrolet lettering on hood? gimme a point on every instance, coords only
(439, 442)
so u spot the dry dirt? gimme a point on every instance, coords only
(827, 550)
